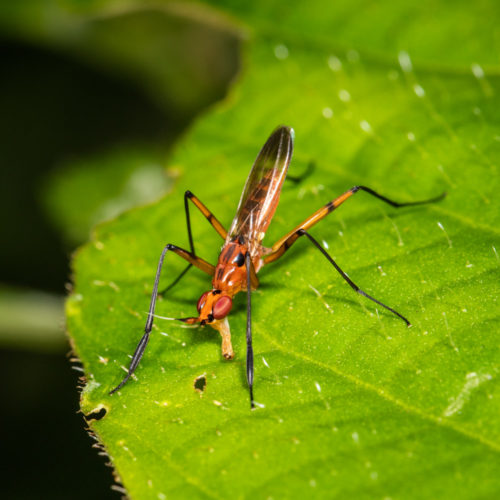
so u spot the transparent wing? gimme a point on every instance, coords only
(262, 190)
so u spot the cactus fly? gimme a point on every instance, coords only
(243, 254)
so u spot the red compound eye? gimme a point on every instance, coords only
(201, 301)
(222, 307)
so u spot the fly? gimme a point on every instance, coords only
(243, 254)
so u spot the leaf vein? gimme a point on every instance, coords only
(389, 397)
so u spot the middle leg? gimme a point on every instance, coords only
(188, 195)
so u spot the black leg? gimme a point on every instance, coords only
(191, 245)
(248, 263)
(141, 346)
(181, 275)
(210, 217)
(302, 232)
(395, 203)
(296, 179)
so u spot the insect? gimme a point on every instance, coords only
(243, 254)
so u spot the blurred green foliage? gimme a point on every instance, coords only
(83, 192)
(86, 82)
(91, 102)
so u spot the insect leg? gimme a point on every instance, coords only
(303, 232)
(141, 346)
(206, 212)
(282, 245)
(296, 179)
(248, 264)
(188, 195)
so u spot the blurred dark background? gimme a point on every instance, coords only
(91, 103)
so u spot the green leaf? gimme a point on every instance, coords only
(354, 404)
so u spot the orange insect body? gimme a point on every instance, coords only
(230, 274)
(229, 279)
(257, 205)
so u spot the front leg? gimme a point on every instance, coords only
(141, 346)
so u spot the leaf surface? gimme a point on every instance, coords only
(354, 404)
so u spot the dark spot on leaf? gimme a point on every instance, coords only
(200, 383)
(97, 414)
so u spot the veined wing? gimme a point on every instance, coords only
(262, 190)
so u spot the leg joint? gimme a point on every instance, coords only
(188, 194)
